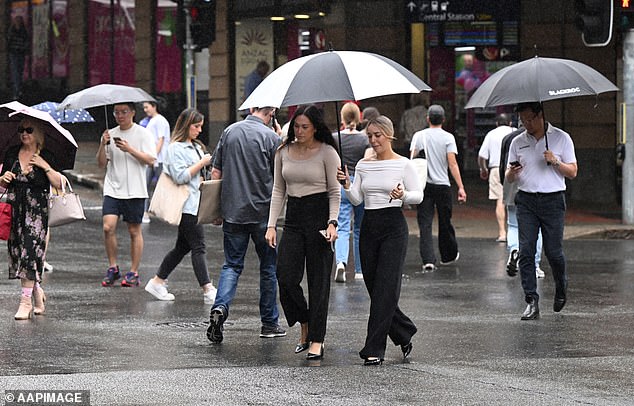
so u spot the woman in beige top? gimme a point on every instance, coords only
(306, 172)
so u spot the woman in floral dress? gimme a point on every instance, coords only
(27, 173)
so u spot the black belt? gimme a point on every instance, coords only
(541, 193)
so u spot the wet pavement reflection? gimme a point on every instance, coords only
(471, 346)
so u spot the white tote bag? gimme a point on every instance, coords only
(64, 205)
(168, 200)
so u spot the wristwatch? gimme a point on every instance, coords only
(334, 223)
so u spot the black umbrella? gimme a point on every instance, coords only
(539, 80)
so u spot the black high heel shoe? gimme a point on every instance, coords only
(372, 361)
(407, 349)
(312, 357)
(301, 347)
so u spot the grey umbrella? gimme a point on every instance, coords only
(103, 95)
(539, 80)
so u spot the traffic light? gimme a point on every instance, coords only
(203, 23)
(181, 24)
(594, 19)
(627, 14)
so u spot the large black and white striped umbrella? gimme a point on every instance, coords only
(333, 76)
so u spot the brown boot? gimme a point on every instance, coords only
(40, 299)
(24, 311)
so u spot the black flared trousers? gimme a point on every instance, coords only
(383, 246)
(302, 245)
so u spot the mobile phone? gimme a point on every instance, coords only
(332, 243)
(397, 186)
(116, 139)
(515, 164)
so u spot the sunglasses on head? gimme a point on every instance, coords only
(29, 130)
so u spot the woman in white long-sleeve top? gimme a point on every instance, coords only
(383, 183)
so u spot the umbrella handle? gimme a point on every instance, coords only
(343, 182)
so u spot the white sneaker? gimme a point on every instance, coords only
(209, 297)
(340, 274)
(429, 267)
(48, 267)
(453, 260)
(358, 276)
(146, 219)
(540, 274)
(158, 291)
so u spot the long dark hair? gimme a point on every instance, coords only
(181, 129)
(316, 117)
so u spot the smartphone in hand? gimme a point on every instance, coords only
(516, 164)
(325, 235)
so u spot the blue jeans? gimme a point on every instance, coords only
(512, 237)
(152, 175)
(347, 211)
(545, 212)
(236, 242)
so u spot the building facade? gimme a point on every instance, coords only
(451, 45)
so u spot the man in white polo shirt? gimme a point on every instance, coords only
(539, 160)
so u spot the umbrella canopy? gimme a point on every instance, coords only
(538, 80)
(66, 115)
(58, 139)
(103, 95)
(333, 76)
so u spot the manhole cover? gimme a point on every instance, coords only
(186, 324)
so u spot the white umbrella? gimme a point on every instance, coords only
(58, 139)
(333, 76)
(103, 95)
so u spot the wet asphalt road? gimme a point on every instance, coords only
(471, 348)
